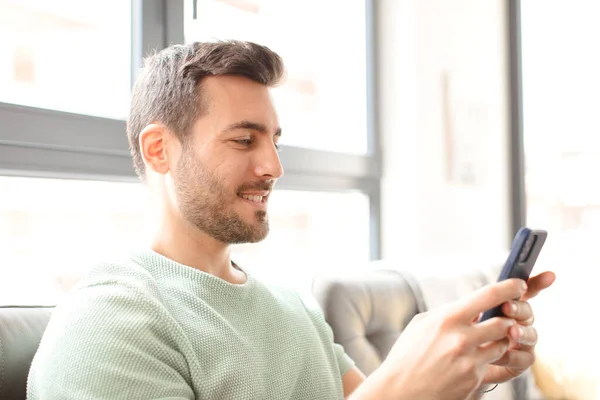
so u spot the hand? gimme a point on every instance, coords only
(443, 354)
(521, 351)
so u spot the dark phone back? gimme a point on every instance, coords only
(524, 252)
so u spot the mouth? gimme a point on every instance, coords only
(256, 198)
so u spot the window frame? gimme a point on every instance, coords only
(516, 155)
(102, 153)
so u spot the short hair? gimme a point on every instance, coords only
(168, 89)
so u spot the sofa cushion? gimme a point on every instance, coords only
(21, 330)
(367, 312)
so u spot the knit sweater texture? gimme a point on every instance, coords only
(148, 327)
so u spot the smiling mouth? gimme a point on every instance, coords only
(258, 198)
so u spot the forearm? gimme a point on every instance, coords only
(378, 386)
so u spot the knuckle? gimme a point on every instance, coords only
(445, 323)
(524, 310)
(467, 368)
(459, 344)
(509, 358)
(447, 318)
(501, 350)
(522, 359)
(514, 286)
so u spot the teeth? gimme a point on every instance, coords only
(257, 199)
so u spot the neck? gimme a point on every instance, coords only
(184, 243)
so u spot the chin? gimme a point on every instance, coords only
(252, 228)
(253, 236)
(260, 234)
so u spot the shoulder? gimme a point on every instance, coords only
(115, 302)
(111, 334)
(126, 272)
(110, 293)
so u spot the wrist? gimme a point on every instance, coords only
(378, 386)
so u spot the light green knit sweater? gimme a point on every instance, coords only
(150, 328)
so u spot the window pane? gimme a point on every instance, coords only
(67, 55)
(311, 233)
(52, 230)
(561, 94)
(322, 104)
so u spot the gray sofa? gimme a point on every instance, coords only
(21, 330)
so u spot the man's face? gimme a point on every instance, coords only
(227, 168)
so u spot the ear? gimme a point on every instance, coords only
(153, 148)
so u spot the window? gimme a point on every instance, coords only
(323, 102)
(65, 168)
(561, 99)
(310, 232)
(52, 230)
(67, 55)
(561, 96)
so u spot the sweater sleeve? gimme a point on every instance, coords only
(345, 363)
(109, 341)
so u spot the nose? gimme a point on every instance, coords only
(268, 165)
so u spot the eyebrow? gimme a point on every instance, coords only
(255, 126)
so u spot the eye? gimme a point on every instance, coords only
(244, 142)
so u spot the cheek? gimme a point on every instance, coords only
(232, 176)
(225, 188)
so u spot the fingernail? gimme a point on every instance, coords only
(513, 308)
(521, 332)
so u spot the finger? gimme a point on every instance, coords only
(493, 351)
(519, 310)
(516, 359)
(492, 330)
(524, 335)
(488, 297)
(538, 283)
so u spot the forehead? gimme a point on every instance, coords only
(232, 98)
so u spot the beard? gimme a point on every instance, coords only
(206, 204)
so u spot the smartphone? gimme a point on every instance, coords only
(524, 251)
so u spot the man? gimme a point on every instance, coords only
(182, 321)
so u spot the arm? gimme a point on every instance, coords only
(109, 342)
(355, 379)
(358, 387)
(351, 381)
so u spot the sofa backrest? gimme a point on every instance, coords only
(21, 329)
